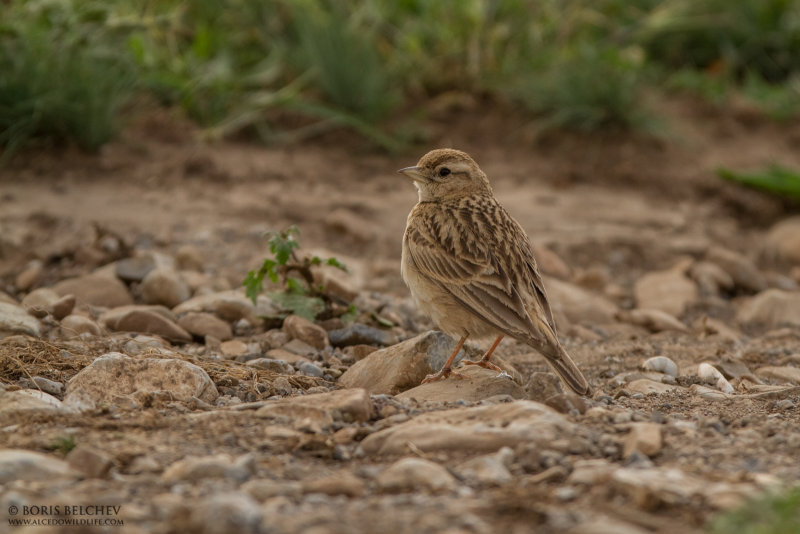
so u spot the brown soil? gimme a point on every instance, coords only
(622, 203)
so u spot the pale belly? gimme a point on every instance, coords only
(446, 313)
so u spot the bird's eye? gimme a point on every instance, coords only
(444, 171)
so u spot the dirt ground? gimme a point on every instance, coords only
(613, 206)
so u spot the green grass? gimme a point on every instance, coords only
(62, 78)
(775, 179)
(771, 514)
(283, 70)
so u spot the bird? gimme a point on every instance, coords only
(470, 266)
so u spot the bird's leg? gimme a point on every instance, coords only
(446, 370)
(484, 362)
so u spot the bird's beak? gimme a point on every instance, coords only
(415, 173)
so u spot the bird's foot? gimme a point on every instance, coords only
(444, 373)
(486, 364)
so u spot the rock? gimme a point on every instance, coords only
(711, 375)
(707, 393)
(300, 328)
(301, 348)
(736, 369)
(164, 286)
(196, 468)
(39, 302)
(402, 366)
(661, 364)
(653, 320)
(134, 269)
(658, 487)
(233, 348)
(22, 403)
(603, 524)
(714, 327)
(263, 489)
(286, 356)
(743, 271)
(591, 472)
(15, 320)
(309, 369)
(273, 339)
(477, 429)
(20, 465)
(780, 374)
(482, 384)
(551, 263)
(335, 282)
(358, 352)
(276, 366)
(650, 387)
(228, 305)
(548, 389)
(75, 325)
(89, 461)
(360, 334)
(644, 438)
(711, 278)
(578, 305)
(95, 289)
(414, 475)
(349, 223)
(771, 308)
(233, 512)
(669, 291)
(48, 386)
(189, 258)
(202, 324)
(782, 242)
(115, 374)
(43, 301)
(489, 470)
(63, 306)
(155, 320)
(344, 483)
(29, 276)
(322, 409)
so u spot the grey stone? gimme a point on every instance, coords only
(309, 369)
(360, 334)
(20, 465)
(477, 429)
(115, 374)
(203, 324)
(145, 319)
(95, 289)
(164, 286)
(15, 320)
(415, 474)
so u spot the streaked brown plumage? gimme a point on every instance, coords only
(470, 266)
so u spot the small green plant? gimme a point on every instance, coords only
(63, 444)
(777, 513)
(775, 179)
(300, 296)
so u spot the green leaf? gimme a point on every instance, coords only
(253, 283)
(281, 246)
(269, 269)
(350, 315)
(302, 305)
(296, 286)
(336, 263)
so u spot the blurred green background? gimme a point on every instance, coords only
(282, 70)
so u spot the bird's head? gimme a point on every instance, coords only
(446, 174)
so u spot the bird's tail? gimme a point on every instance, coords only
(563, 365)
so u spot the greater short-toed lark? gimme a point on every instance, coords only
(470, 266)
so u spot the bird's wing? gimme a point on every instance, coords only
(471, 269)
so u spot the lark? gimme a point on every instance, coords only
(470, 266)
